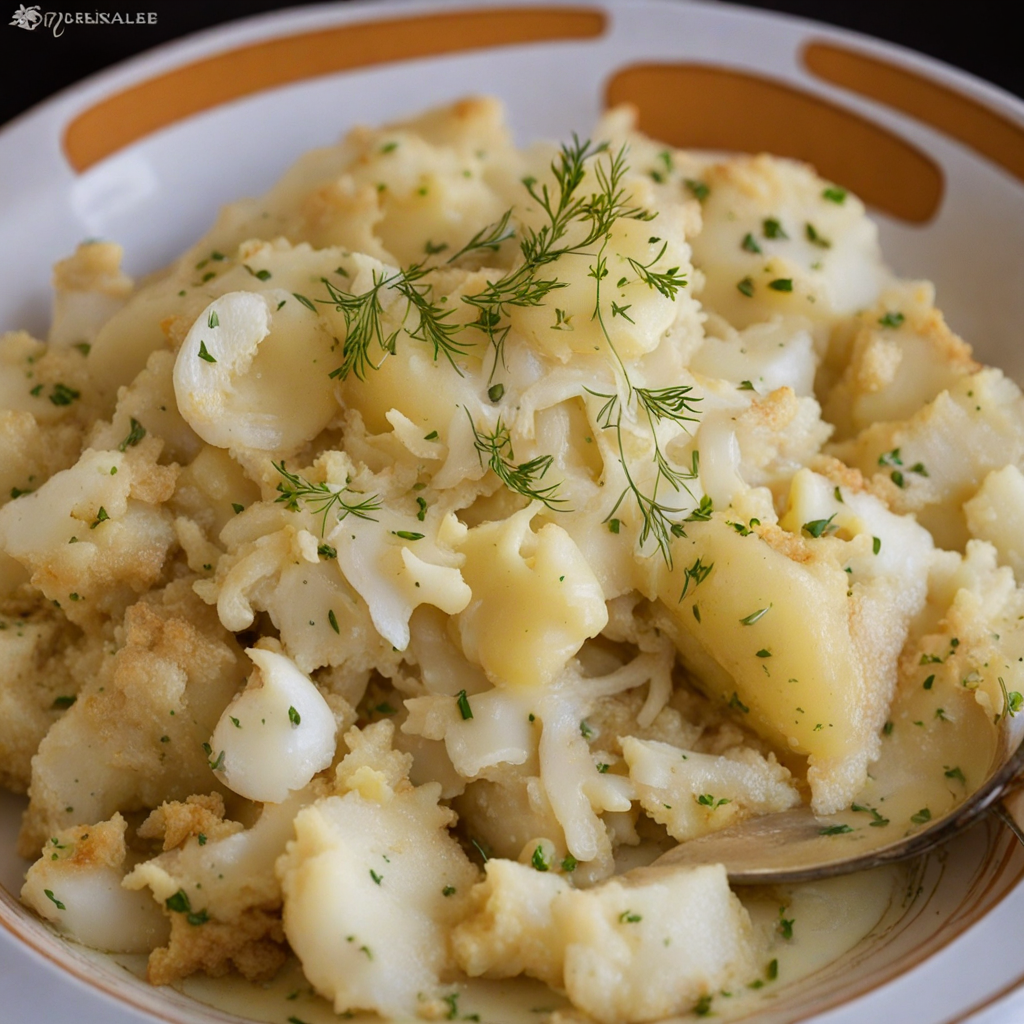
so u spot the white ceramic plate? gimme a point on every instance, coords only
(147, 152)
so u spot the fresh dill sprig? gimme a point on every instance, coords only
(321, 498)
(364, 326)
(673, 403)
(660, 521)
(575, 221)
(666, 282)
(433, 327)
(565, 207)
(365, 330)
(488, 238)
(524, 477)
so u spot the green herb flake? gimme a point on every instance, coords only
(63, 395)
(628, 917)
(749, 620)
(613, 525)
(179, 903)
(773, 229)
(1013, 702)
(955, 773)
(745, 385)
(763, 653)
(539, 860)
(136, 433)
(293, 716)
(585, 730)
(204, 353)
(62, 703)
(377, 879)
(891, 319)
(569, 863)
(48, 893)
(819, 527)
(101, 517)
(698, 189)
(746, 287)
(922, 816)
(708, 800)
(408, 535)
(749, 243)
(834, 830)
(735, 702)
(834, 194)
(237, 507)
(326, 551)
(781, 284)
(814, 238)
(213, 320)
(448, 890)
(876, 544)
(462, 700)
(496, 392)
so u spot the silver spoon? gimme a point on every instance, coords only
(797, 846)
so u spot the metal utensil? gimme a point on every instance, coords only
(797, 846)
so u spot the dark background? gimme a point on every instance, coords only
(35, 65)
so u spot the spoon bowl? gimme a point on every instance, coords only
(799, 846)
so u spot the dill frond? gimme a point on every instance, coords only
(321, 498)
(524, 477)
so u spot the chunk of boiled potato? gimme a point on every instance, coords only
(774, 636)
(511, 929)
(276, 734)
(903, 356)
(253, 372)
(996, 514)
(370, 892)
(630, 950)
(76, 886)
(653, 944)
(692, 794)
(566, 324)
(827, 250)
(944, 451)
(535, 600)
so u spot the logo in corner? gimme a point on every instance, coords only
(27, 17)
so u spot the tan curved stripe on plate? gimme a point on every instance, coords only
(705, 107)
(938, 105)
(137, 111)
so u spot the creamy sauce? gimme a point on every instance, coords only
(829, 919)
